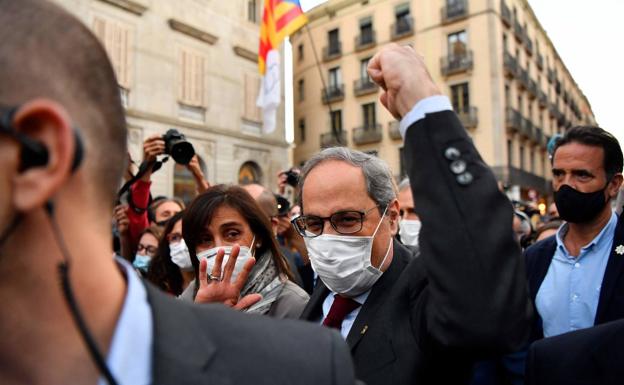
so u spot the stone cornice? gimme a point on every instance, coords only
(245, 53)
(191, 31)
(127, 5)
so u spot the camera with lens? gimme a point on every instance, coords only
(292, 177)
(178, 147)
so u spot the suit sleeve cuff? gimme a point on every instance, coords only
(425, 106)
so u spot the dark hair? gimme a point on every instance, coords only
(202, 209)
(596, 136)
(162, 271)
(153, 207)
(46, 52)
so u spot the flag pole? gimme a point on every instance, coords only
(334, 132)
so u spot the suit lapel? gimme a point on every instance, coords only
(612, 275)
(378, 296)
(181, 350)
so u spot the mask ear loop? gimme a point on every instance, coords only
(379, 223)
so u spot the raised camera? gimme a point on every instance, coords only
(178, 147)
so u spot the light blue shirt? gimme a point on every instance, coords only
(425, 106)
(347, 323)
(568, 297)
(130, 355)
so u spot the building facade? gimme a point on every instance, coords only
(190, 65)
(492, 58)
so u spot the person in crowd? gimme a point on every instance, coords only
(547, 230)
(62, 148)
(413, 320)
(225, 216)
(171, 269)
(147, 249)
(553, 213)
(409, 224)
(268, 203)
(523, 229)
(574, 275)
(163, 209)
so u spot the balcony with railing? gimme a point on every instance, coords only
(558, 86)
(403, 27)
(540, 61)
(542, 99)
(393, 130)
(532, 88)
(468, 116)
(456, 11)
(528, 44)
(538, 136)
(332, 51)
(366, 134)
(513, 119)
(518, 31)
(515, 176)
(333, 93)
(333, 139)
(506, 14)
(365, 40)
(523, 78)
(364, 87)
(526, 128)
(565, 96)
(456, 63)
(550, 75)
(510, 65)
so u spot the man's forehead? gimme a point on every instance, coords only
(578, 155)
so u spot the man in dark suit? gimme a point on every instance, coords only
(575, 276)
(407, 320)
(62, 150)
(590, 356)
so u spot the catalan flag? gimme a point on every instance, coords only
(280, 18)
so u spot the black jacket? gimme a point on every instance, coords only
(427, 318)
(210, 344)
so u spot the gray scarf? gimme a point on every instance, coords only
(264, 279)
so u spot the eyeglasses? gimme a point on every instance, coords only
(149, 250)
(344, 222)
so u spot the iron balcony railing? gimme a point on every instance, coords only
(365, 40)
(510, 64)
(332, 51)
(393, 130)
(456, 63)
(370, 133)
(513, 119)
(402, 27)
(364, 87)
(505, 14)
(333, 139)
(542, 98)
(469, 116)
(540, 61)
(532, 88)
(333, 93)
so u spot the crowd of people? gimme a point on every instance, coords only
(359, 278)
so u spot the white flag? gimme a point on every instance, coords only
(270, 96)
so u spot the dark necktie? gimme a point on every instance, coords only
(339, 310)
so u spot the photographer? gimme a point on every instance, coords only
(154, 146)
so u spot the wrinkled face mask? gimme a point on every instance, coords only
(578, 207)
(409, 230)
(142, 262)
(343, 262)
(244, 255)
(180, 255)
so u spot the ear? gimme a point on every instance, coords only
(393, 213)
(48, 123)
(614, 185)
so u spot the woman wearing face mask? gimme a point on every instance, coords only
(215, 226)
(146, 249)
(171, 270)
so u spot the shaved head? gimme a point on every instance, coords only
(47, 53)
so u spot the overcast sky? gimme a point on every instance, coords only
(585, 36)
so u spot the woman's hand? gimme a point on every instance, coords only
(216, 288)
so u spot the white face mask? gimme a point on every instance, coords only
(409, 230)
(244, 255)
(180, 255)
(343, 262)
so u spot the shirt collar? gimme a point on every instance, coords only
(130, 355)
(598, 239)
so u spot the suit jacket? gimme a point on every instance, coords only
(427, 318)
(588, 356)
(210, 344)
(611, 300)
